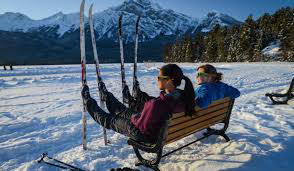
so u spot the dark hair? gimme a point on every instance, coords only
(175, 73)
(209, 69)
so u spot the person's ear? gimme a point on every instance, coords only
(170, 82)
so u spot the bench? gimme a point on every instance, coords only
(180, 126)
(289, 95)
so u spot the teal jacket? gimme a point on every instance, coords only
(208, 92)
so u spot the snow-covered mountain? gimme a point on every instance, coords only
(155, 21)
(213, 18)
(19, 22)
(55, 40)
(10, 21)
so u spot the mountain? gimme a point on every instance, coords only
(212, 19)
(154, 21)
(57, 37)
(19, 22)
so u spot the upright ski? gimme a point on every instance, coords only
(83, 62)
(99, 79)
(135, 81)
(122, 62)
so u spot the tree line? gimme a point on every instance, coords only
(239, 43)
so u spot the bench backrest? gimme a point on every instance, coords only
(181, 126)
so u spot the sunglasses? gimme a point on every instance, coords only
(201, 74)
(160, 78)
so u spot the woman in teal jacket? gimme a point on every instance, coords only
(210, 86)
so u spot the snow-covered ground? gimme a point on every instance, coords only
(40, 111)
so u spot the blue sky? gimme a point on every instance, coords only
(239, 9)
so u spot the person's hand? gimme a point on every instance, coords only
(85, 92)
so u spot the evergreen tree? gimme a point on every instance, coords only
(239, 43)
(198, 47)
(234, 50)
(248, 40)
(188, 49)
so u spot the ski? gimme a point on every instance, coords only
(122, 62)
(83, 62)
(61, 164)
(135, 81)
(99, 79)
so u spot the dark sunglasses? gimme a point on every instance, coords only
(201, 74)
(160, 78)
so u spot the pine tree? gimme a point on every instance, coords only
(198, 47)
(188, 49)
(234, 50)
(248, 39)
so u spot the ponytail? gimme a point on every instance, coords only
(218, 77)
(176, 74)
(189, 96)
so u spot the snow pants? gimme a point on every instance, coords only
(118, 119)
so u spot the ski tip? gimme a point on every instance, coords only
(90, 10)
(91, 7)
(82, 4)
(120, 25)
(137, 24)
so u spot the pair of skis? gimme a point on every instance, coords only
(99, 79)
(57, 163)
(83, 62)
(135, 81)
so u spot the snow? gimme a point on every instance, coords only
(41, 111)
(273, 49)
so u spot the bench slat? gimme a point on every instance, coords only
(195, 121)
(198, 109)
(194, 128)
(204, 112)
(190, 133)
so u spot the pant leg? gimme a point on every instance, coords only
(115, 122)
(113, 104)
(138, 104)
(116, 107)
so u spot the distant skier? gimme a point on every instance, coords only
(144, 125)
(211, 88)
(10, 67)
(4, 67)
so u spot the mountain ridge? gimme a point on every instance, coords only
(56, 38)
(155, 20)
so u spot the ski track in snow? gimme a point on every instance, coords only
(40, 111)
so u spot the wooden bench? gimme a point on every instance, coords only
(180, 126)
(289, 95)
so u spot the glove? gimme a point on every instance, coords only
(127, 97)
(85, 93)
(102, 90)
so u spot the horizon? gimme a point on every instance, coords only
(213, 5)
